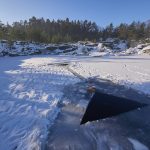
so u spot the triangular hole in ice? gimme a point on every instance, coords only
(104, 105)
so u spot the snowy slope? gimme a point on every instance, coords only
(30, 91)
(131, 71)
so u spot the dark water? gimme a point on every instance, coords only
(105, 105)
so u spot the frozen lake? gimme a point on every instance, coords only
(43, 99)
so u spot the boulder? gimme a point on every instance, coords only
(51, 48)
(64, 47)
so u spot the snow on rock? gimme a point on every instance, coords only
(82, 49)
(146, 49)
(30, 92)
(111, 40)
(111, 47)
(130, 71)
(108, 47)
(120, 46)
(134, 50)
(19, 48)
(100, 45)
(140, 46)
(142, 49)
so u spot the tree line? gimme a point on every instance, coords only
(55, 31)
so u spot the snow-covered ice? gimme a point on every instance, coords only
(30, 91)
(32, 87)
(130, 71)
(137, 145)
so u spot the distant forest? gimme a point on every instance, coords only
(52, 31)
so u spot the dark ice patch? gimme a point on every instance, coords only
(104, 105)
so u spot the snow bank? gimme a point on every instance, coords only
(145, 50)
(147, 47)
(96, 54)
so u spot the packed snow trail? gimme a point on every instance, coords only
(30, 92)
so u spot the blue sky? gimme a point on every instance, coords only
(102, 12)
